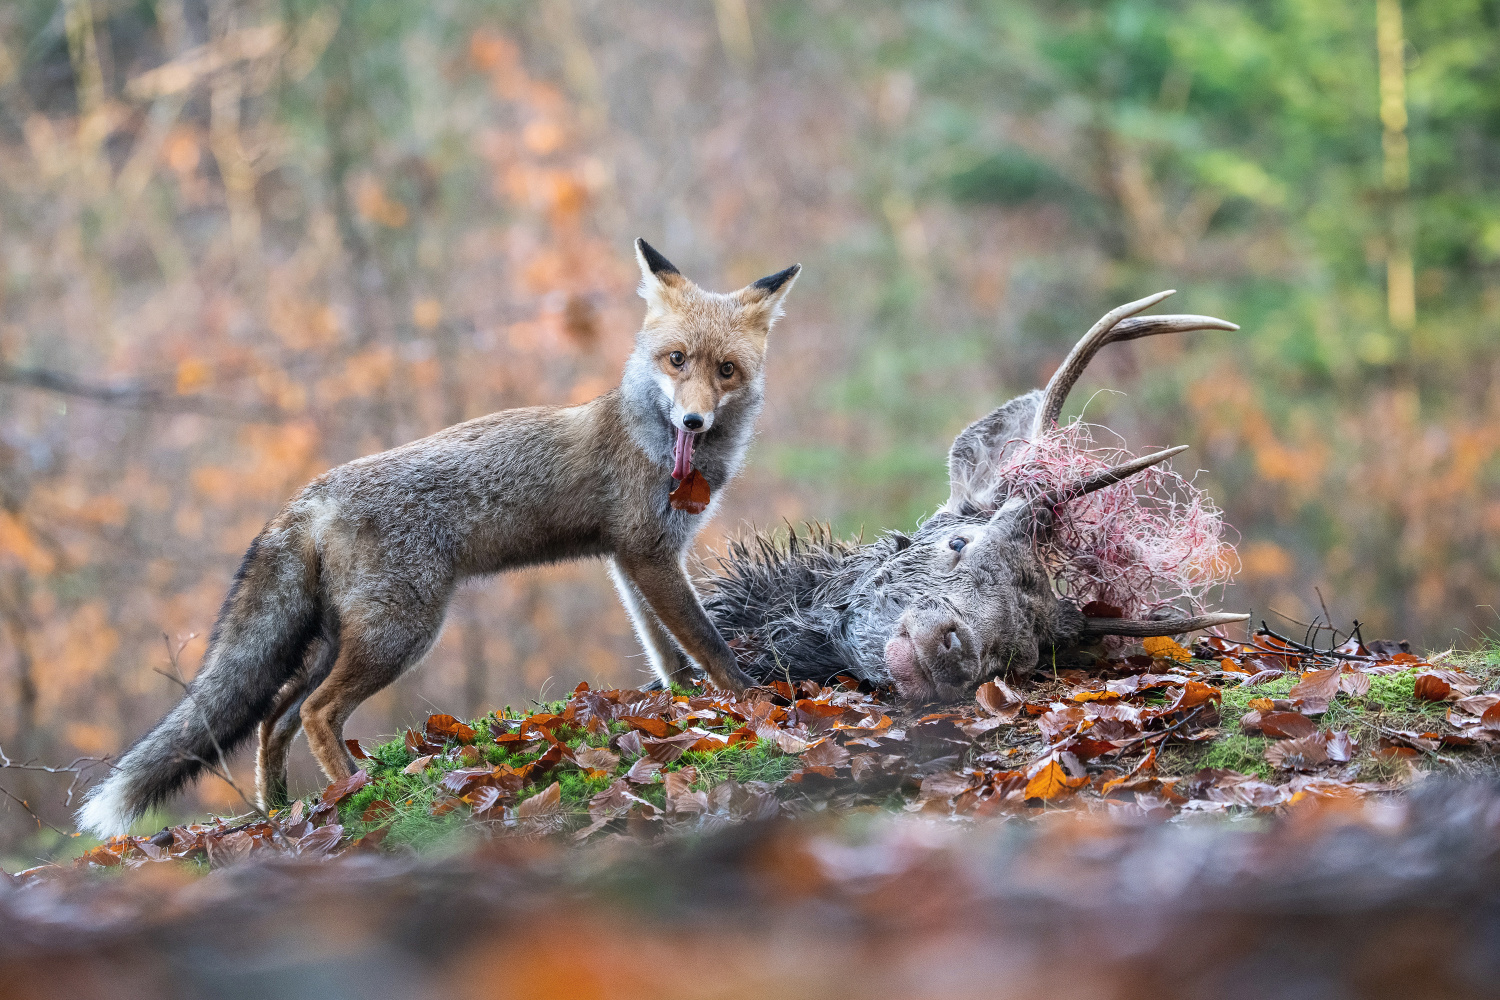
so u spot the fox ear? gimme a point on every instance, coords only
(657, 274)
(766, 295)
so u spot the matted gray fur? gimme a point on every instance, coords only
(347, 587)
(966, 596)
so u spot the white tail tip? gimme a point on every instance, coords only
(105, 812)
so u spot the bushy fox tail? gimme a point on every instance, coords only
(264, 628)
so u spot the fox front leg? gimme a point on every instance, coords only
(666, 587)
(667, 660)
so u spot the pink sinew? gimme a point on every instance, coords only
(1152, 540)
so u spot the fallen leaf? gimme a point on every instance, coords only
(597, 758)
(691, 495)
(1355, 682)
(999, 699)
(1287, 725)
(826, 754)
(419, 765)
(355, 750)
(1431, 687)
(1316, 685)
(541, 805)
(1052, 782)
(643, 771)
(651, 727)
(1304, 754)
(1166, 648)
(341, 790)
(441, 728)
(1341, 749)
(944, 785)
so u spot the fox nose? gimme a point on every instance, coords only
(692, 421)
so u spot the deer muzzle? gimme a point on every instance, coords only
(932, 655)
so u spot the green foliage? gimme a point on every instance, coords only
(1238, 752)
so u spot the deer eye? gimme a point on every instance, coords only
(957, 543)
(676, 358)
(726, 369)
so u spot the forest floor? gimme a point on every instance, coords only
(814, 792)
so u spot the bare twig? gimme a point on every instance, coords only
(222, 771)
(1298, 647)
(134, 395)
(31, 812)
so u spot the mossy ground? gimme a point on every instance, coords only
(1390, 705)
(411, 796)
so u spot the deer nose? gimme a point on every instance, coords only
(692, 421)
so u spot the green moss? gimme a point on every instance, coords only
(758, 761)
(1238, 752)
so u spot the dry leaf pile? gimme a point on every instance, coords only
(1134, 737)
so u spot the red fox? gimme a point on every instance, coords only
(346, 588)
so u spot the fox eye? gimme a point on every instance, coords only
(676, 358)
(726, 369)
(957, 543)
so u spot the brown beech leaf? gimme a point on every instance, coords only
(1491, 717)
(944, 785)
(691, 495)
(1316, 685)
(651, 727)
(376, 811)
(1195, 693)
(355, 750)
(441, 728)
(1431, 687)
(320, 841)
(681, 799)
(1287, 725)
(1341, 749)
(419, 765)
(1052, 782)
(1355, 682)
(1477, 704)
(341, 790)
(541, 805)
(483, 798)
(999, 699)
(643, 771)
(597, 758)
(826, 754)
(1304, 754)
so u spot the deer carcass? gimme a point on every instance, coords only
(971, 593)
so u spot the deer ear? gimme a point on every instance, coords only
(982, 447)
(765, 296)
(657, 274)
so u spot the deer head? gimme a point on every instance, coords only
(968, 595)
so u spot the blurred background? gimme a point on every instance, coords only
(243, 241)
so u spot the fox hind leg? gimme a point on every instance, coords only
(280, 726)
(370, 656)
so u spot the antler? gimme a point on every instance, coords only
(1094, 627)
(1099, 480)
(1112, 327)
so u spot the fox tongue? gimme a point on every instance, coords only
(682, 455)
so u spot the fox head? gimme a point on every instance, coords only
(704, 348)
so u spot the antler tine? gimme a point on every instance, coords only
(1082, 353)
(1113, 326)
(1099, 480)
(1093, 627)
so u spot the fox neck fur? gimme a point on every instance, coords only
(347, 587)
